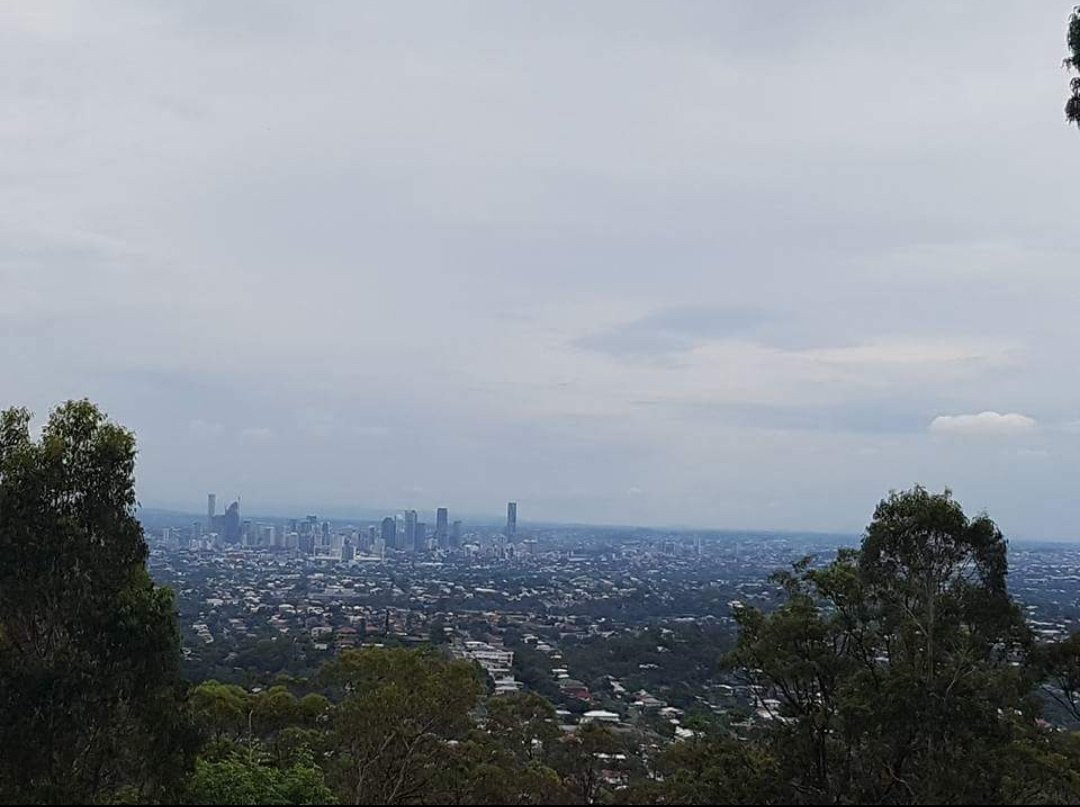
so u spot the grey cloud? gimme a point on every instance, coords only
(409, 233)
(870, 417)
(671, 331)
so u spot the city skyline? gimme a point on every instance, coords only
(406, 518)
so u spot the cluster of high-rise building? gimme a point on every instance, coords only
(407, 533)
(226, 525)
(403, 532)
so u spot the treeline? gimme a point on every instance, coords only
(399, 727)
(900, 673)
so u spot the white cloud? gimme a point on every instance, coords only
(988, 424)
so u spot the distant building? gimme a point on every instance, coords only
(511, 520)
(389, 532)
(599, 716)
(232, 523)
(574, 689)
(455, 535)
(307, 543)
(211, 510)
(411, 544)
(441, 527)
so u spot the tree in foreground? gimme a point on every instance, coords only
(710, 769)
(398, 713)
(246, 777)
(1072, 62)
(898, 673)
(91, 701)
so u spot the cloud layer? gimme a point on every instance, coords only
(984, 424)
(357, 257)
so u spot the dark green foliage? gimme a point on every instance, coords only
(1058, 666)
(1040, 768)
(1072, 106)
(399, 709)
(480, 770)
(590, 758)
(717, 770)
(524, 724)
(893, 667)
(221, 710)
(247, 777)
(661, 661)
(507, 761)
(90, 694)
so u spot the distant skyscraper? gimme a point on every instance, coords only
(455, 534)
(411, 544)
(511, 520)
(232, 523)
(389, 532)
(421, 536)
(211, 510)
(442, 525)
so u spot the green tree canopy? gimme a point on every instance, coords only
(90, 693)
(245, 777)
(711, 770)
(894, 673)
(398, 711)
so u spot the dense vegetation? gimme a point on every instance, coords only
(91, 700)
(1072, 62)
(901, 672)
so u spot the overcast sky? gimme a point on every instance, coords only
(728, 264)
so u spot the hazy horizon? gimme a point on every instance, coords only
(699, 264)
(474, 519)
